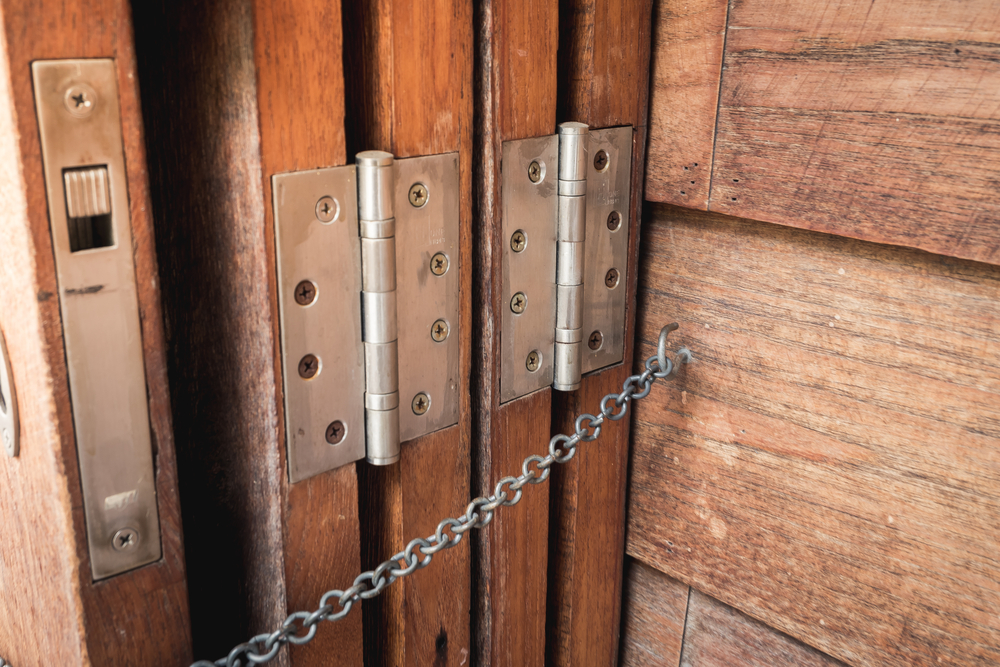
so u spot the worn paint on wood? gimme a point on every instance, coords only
(829, 464)
(654, 612)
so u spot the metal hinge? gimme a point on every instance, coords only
(368, 293)
(565, 256)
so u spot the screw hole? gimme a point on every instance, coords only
(685, 168)
(736, 180)
(683, 193)
(734, 198)
(696, 164)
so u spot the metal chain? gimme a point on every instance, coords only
(300, 627)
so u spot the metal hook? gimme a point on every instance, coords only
(684, 355)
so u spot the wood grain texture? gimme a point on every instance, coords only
(409, 82)
(688, 42)
(716, 635)
(53, 612)
(516, 92)
(654, 615)
(603, 76)
(829, 462)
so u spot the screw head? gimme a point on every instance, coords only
(125, 539)
(418, 195)
(601, 160)
(533, 361)
(305, 293)
(327, 209)
(80, 100)
(596, 340)
(534, 171)
(439, 264)
(614, 221)
(518, 303)
(611, 278)
(335, 432)
(308, 366)
(439, 331)
(518, 240)
(420, 403)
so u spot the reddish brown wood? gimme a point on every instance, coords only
(53, 612)
(688, 40)
(516, 94)
(604, 68)
(410, 85)
(828, 463)
(653, 617)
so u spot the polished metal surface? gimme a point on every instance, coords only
(607, 191)
(328, 254)
(424, 233)
(9, 425)
(100, 314)
(533, 208)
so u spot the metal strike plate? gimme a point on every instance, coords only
(80, 128)
(424, 299)
(530, 175)
(9, 425)
(319, 301)
(606, 249)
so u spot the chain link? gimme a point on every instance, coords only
(300, 627)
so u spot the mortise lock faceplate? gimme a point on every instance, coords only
(565, 255)
(368, 294)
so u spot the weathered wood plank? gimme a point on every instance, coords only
(604, 72)
(409, 79)
(716, 635)
(53, 613)
(654, 613)
(516, 95)
(871, 120)
(688, 41)
(829, 463)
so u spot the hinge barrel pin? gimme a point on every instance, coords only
(377, 228)
(570, 239)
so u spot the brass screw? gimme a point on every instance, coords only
(517, 241)
(611, 278)
(326, 209)
(418, 195)
(439, 331)
(308, 366)
(600, 161)
(535, 171)
(439, 264)
(335, 432)
(80, 100)
(305, 293)
(421, 402)
(596, 340)
(614, 221)
(125, 539)
(533, 361)
(518, 303)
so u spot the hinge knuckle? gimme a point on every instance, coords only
(376, 226)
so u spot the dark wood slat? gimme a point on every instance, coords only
(828, 463)
(410, 83)
(688, 40)
(235, 97)
(53, 613)
(604, 73)
(653, 617)
(516, 93)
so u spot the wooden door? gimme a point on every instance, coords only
(820, 487)
(59, 603)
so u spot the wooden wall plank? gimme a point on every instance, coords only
(239, 91)
(716, 635)
(688, 41)
(604, 74)
(410, 83)
(654, 615)
(53, 611)
(516, 95)
(829, 462)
